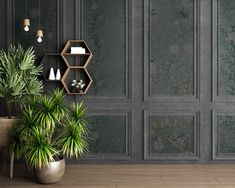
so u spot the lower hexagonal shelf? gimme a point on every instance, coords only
(76, 81)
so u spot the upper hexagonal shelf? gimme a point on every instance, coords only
(55, 61)
(76, 81)
(76, 53)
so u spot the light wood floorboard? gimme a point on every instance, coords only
(131, 176)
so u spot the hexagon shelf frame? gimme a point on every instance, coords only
(75, 73)
(75, 66)
(77, 59)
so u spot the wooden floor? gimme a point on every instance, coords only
(130, 176)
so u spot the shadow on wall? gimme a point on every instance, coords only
(2, 111)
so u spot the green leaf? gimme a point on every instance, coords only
(18, 74)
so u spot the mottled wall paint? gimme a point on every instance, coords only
(172, 51)
(226, 47)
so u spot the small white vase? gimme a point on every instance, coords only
(58, 75)
(52, 74)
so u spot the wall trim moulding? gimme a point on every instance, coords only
(216, 155)
(128, 58)
(215, 56)
(114, 156)
(10, 18)
(147, 54)
(172, 156)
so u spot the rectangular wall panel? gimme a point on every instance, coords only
(110, 136)
(171, 49)
(171, 136)
(223, 136)
(226, 47)
(106, 31)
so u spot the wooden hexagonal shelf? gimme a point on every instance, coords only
(55, 61)
(72, 62)
(76, 53)
(73, 76)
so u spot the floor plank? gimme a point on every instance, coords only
(130, 176)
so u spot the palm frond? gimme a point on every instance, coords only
(50, 129)
(28, 60)
(60, 108)
(78, 115)
(47, 116)
(39, 150)
(72, 140)
(18, 74)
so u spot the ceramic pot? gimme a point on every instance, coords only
(51, 174)
(5, 127)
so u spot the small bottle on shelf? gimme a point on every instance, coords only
(58, 75)
(51, 74)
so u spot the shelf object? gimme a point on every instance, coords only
(72, 67)
(77, 64)
(76, 74)
(55, 61)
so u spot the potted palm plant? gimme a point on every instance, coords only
(18, 79)
(48, 132)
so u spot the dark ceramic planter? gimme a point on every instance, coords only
(51, 174)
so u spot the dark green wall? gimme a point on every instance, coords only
(163, 72)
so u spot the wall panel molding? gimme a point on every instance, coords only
(128, 57)
(215, 53)
(217, 145)
(215, 50)
(196, 60)
(149, 155)
(217, 29)
(128, 132)
(10, 22)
